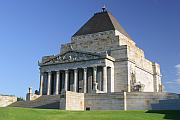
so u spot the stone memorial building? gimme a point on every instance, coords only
(100, 58)
(101, 68)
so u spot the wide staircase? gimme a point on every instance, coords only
(169, 104)
(45, 101)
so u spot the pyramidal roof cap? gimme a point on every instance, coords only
(101, 21)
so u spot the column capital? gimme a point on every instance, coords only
(66, 71)
(41, 72)
(74, 68)
(85, 68)
(95, 68)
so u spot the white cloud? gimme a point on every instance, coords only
(177, 80)
(177, 66)
(170, 82)
(178, 69)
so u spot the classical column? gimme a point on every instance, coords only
(75, 79)
(57, 82)
(66, 80)
(85, 80)
(105, 79)
(49, 84)
(94, 78)
(112, 78)
(41, 83)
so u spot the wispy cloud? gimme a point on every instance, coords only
(178, 70)
(178, 73)
(177, 80)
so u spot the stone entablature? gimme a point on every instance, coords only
(74, 56)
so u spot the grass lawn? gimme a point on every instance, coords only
(49, 114)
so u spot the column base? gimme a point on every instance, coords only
(97, 91)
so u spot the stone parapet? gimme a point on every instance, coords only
(6, 100)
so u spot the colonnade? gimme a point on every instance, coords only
(57, 80)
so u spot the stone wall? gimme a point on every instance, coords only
(120, 68)
(123, 40)
(7, 100)
(96, 42)
(104, 101)
(121, 76)
(113, 101)
(62, 105)
(145, 78)
(72, 101)
(92, 101)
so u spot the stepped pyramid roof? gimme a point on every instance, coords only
(101, 21)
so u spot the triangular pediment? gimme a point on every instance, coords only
(71, 56)
(78, 56)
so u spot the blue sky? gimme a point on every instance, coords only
(30, 29)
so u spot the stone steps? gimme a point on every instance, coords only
(51, 101)
(170, 101)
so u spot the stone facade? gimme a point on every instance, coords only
(7, 100)
(126, 61)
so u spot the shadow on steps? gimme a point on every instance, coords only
(54, 105)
